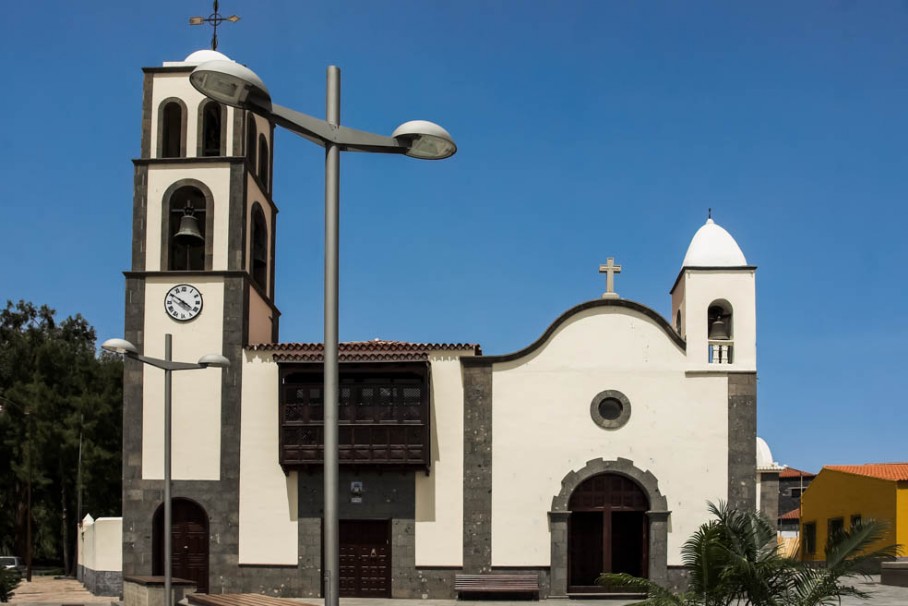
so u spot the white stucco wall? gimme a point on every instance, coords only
(543, 429)
(196, 423)
(439, 496)
(268, 498)
(101, 544)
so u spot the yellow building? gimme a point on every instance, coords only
(842, 495)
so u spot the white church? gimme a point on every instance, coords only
(594, 448)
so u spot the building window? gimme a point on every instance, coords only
(835, 527)
(263, 161)
(810, 538)
(171, 131)
(186, 230)
(211, 129)
(855, 521)
(795, 492)
(259, 247)
(610, 409)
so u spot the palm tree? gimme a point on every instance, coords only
(734, 559)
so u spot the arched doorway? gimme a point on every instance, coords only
(189, 543)
(608, 530)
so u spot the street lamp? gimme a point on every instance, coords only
(235, 85)
(127, 349)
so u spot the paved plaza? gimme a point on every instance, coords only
(50, 591)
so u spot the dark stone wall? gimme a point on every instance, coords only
(742, 440)
(101, 582)
(386, 494)
(477, 469)
(769, 496)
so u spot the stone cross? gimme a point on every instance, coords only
(610, 269)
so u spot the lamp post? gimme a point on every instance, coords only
(235, 85)
(124, 347)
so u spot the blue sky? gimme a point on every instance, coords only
(585, 130)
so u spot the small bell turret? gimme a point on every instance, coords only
(189, 232)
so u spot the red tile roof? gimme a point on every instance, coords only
(794, 514)
(884, 471)
(376, 350)
(791, 472)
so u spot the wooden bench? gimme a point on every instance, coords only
(240, 599)
(497, 583)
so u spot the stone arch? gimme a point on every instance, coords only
(172, 117)
(166, 201)
(211, 138)
(560, 513)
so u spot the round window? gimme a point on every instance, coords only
(610, 409)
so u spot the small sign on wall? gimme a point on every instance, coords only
(356, 492)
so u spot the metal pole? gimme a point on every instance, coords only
(28, 508)
(168, 539)
(332, 221)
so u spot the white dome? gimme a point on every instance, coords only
(201, 56)
(712, 246)
(764, 456)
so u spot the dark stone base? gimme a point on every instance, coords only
(101, 582)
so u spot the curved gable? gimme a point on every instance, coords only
(564, 318)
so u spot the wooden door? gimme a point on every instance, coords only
(608, 531)
(189, 542)
(365, 558)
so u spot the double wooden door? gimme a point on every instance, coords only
(365, 558)
(608, 531)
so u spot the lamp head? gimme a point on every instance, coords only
(120, 346)
(425, 140)
(232, 84)
(216, 360)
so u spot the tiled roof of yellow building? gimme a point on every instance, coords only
(884, 471)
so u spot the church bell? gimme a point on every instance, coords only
(718, 330)
(189, 232)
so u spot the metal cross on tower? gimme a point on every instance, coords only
(610, 269)
(214, 19)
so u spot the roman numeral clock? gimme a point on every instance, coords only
(183, 302)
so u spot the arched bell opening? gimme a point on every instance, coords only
(186, 229)
(189, 542)
(264, 167)
(213, 129)
(172, 129)
(251, 140)
(720, 323)
(259, 248)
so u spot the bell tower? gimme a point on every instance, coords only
(714, 303)
(203, 271)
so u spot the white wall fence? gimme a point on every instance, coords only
(101, 555)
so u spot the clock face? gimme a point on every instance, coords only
(183, 302)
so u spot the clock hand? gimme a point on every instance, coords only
(182, 303)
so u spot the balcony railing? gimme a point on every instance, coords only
(721, 351)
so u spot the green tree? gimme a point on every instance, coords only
(734, 559)
(56, 393)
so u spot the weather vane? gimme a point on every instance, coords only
(214, 19)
